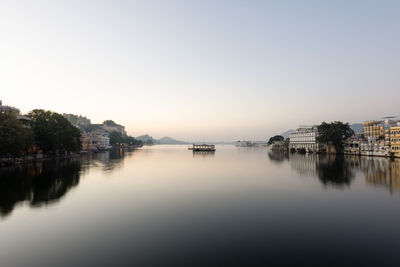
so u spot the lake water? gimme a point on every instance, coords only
(166, 206)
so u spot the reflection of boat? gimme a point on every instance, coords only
(203, 153)
(203, 147)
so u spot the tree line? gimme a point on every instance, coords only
(49, 132)
(117, 138)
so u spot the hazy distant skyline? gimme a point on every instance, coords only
(203, 70)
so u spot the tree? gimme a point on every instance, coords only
(15, 138)
(118, 138)
(287, 142)
(53, 132)
(334, 133)
(115, 138)
(132, 141)
(275, 138)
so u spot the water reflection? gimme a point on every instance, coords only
(39, 184)
(108, 161)
(278, 156)
(304, 164)
(203, 153)
(335, 170)
(339, 171)
(381, 172)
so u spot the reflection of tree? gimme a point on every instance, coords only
(40, 183)
(335, 171)
(278, 156)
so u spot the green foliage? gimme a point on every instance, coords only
(334, 133)
(275, 138)
(286, 145)
(54, 132)
(117, 138)
(15, 138)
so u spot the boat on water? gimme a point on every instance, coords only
(203, 147)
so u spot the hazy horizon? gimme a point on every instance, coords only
(203, 70)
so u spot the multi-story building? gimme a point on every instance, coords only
(353, 144)
(96, 140)
(278, 146)
(305, 138)
(395, 140)
(374, 129)
(374, 147)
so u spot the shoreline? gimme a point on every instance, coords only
(17, 161)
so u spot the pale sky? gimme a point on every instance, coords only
(203, 70)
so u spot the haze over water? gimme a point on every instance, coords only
(165, 206)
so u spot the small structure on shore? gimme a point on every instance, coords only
(203, 147)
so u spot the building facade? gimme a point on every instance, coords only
(95, 141)
(374, 129)
(395, 140)
(305, 138)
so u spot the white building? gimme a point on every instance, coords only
(96, 140)
(305, 138)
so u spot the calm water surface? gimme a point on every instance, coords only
(165, 206)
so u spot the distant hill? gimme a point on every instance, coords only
(357, 127)
(169, 141)
(147, 139)
(287, 133)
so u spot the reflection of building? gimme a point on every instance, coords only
(305, 138)
(304, 163)
(382, 172)
(96, 140)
